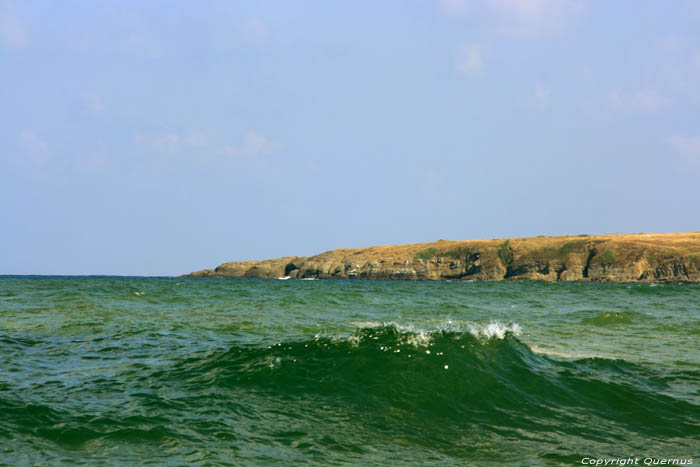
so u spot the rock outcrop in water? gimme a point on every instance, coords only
(595, 258)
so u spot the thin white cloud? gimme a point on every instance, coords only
(469, 60)
(254, 144)
(640, 101)
(542, 96)
(197, 138)
(454, 7)
(254, 31)
(650, 101)
(688, 147)
(677, 63)
(534, 17)
(94, 104)
(95, 162)
(164, 142)
(135, 34)
(142, 44)
(168, 142)
(12, 32)
(35, 148)
(312, 167)
(670, 44)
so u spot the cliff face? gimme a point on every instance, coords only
(600, 258)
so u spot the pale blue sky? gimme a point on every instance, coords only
(156, 138)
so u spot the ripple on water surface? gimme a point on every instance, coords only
(129, 370)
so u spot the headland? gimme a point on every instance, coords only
(642, 257)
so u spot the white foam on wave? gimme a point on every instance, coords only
(284, 278)
(411, 335)
(494, 329)
(419, 339)
(561, 354)
(422, 337)
(366, 324)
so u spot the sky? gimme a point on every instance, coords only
(163, 137)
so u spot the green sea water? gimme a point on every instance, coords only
(166, 371)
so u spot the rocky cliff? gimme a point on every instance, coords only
(595, 258)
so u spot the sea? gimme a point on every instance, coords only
(173, 371)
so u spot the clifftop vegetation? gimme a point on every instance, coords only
(646, 257)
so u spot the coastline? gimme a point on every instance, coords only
(643, 257)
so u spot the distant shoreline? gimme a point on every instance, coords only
(643, 257)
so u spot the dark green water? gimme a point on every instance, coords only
(254, 372)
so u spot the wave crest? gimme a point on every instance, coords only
(495, 329)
